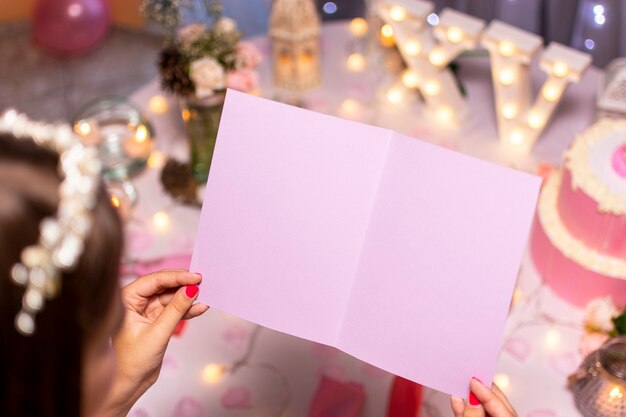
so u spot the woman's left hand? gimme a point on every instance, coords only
(154, 305)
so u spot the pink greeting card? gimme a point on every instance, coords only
(398, 252)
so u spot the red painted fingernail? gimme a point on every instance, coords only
(191, 290)
(472, 398)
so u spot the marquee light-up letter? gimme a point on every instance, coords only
(427, 53)
(511, 51)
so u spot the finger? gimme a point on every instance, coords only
(160, 281)
(176, 309)
(195, 311)
(492, 404)
(166, 296)
(474, 410)
(496, 390)
(458, 405)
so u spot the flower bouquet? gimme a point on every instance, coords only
(198, 62)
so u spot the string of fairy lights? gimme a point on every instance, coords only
(510, 59)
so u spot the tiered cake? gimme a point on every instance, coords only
(578, 241)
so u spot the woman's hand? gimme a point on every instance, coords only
(483, 401)
(154, 305)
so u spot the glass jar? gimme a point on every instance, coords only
(599, 385)
(124, 138)
(202, 119)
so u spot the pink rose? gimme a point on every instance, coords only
(191, 33)
(242, 79)
(248, 55)
(590, 342)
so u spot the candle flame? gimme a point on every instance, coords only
(141, 134)
(615, 393)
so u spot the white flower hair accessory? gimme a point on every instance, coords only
(62, 235)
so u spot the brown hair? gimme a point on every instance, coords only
(40, 375)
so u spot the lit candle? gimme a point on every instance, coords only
(139, 144)
(157, 160)
(88, 131)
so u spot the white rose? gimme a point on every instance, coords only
(225, 25)
(207, 75)
(599, 314)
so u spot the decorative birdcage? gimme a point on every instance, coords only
(295, 33)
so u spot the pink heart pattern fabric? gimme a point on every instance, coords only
(518, 348)
(189, 407)
(236, 398)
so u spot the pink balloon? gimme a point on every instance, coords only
(70, 27)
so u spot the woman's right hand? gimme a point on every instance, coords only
(483, 402)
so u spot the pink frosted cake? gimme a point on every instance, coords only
(578, 241)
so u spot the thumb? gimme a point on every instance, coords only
(177, 308)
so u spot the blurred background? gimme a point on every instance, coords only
(54, 87)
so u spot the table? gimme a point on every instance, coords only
(278, 374)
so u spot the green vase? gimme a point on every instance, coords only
(202, 119)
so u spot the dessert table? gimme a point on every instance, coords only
(219, 365)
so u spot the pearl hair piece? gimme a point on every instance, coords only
(62, 236)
